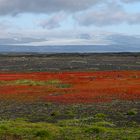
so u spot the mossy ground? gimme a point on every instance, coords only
(66, 130)
(48, 121)
(42, 120)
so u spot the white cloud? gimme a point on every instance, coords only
(84, 12)
(68, 37)
(109, 14)
(54, 21)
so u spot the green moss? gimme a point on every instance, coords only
(132, 112)
(105, 124)
(55, 114)
(63, 85)
(54, 82)
(20, 129)
(100, 116)
(28, 130)
(42, 133)
(95, 130)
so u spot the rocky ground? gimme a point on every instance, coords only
(69, 62)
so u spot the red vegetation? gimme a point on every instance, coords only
(85, 87)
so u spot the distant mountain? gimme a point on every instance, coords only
(70, 48)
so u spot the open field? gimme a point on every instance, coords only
(74, 97)
(84, 105)
(71, 87)
(69, 62)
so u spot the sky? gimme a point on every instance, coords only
(69, 22)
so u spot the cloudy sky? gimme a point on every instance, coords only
(68, 22)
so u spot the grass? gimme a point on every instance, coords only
(26, 130)
(64, 124)
(53, 121)
(132, 112)
(30, 82)
(23, 130)
(54, 82)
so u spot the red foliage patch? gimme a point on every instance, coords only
(86, 87)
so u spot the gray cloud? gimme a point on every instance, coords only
(69, 37)
(54, 21)
(5, 25)
(43, 6)
(87, 12)
(109, 14)
(84, 36)
(13, 7)
(121, 39)
(130, 1)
